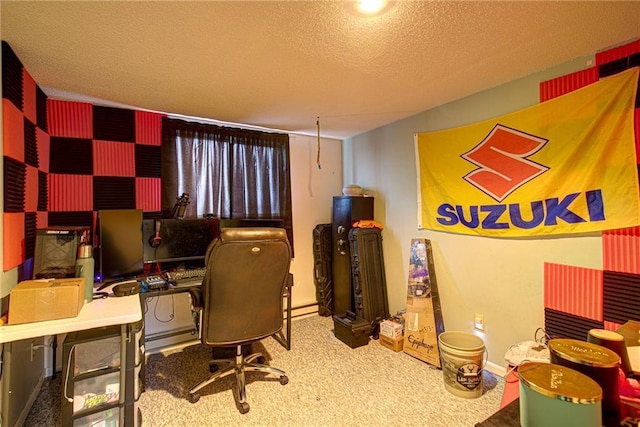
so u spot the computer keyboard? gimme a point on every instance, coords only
(190, 275)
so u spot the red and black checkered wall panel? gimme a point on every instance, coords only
(64, 161)
(24, 129)
(577, 299)
(111, 154)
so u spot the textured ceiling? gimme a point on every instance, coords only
(281, 65)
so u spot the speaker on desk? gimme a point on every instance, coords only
(56, 250)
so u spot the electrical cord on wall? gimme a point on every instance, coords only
(66, 378)
(544, 339)
(155, 309)
(318, 155)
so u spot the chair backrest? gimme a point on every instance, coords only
(247, 269)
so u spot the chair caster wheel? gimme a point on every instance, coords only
(213, 368)
(243, 407)
(193, 397)
(284, 379)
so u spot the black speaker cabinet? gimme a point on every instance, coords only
(322, 276)
(369, 282)
(56, 251)
(346, 211)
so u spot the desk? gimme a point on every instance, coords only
(99, 313)
(631, 333)
(122, 311)
(283, 337)
(508, 416)
(96, 314)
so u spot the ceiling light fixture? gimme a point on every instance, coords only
(370, 7)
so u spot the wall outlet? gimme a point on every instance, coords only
(478, 322)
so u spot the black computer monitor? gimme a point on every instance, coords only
(178, 240)
(119, 243)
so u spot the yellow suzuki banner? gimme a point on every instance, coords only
(567, 165)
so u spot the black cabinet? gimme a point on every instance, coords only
(346, 211)
(369, 282)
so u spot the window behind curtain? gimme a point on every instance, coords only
(229, 173)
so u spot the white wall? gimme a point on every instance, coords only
(312, 194)
(499, 278)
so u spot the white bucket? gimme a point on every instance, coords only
(462, 357)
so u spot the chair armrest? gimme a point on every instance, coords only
(196, 298)
(197, 306)
(288, 285)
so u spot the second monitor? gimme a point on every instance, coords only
(177, 240)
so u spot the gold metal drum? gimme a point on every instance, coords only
(556, 396)
(598, 363)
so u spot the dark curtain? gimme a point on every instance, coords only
(229, 173)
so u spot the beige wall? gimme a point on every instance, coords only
(499, 278)
(312, 193)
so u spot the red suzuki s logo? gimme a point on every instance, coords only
(502, 161)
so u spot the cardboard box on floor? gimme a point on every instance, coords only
(394, 344)
(420, 336)
(423, 318)
(45, 299)
(391, 328)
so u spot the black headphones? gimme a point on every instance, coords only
(126, 289)
(156, 240)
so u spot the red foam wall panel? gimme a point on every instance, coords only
(70, 192)
(70, 119)
(148, 128)
(12, 131)
(113, 158)
(618, 52)
(148, 192)
(13, 240)
(574, 290)
(565, 84)
(621, 250)
(29, 96)
(31, 190)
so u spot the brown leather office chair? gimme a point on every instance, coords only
(241, 301)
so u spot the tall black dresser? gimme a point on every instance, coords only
(346, 211)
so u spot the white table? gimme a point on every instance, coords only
(98, 313)
(112, 311)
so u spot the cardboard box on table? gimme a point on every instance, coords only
(423, 318)
(45, 299)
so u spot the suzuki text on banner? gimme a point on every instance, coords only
(567, 165)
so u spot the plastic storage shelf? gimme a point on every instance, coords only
(101, 377)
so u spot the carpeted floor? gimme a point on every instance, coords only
(330, 384)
